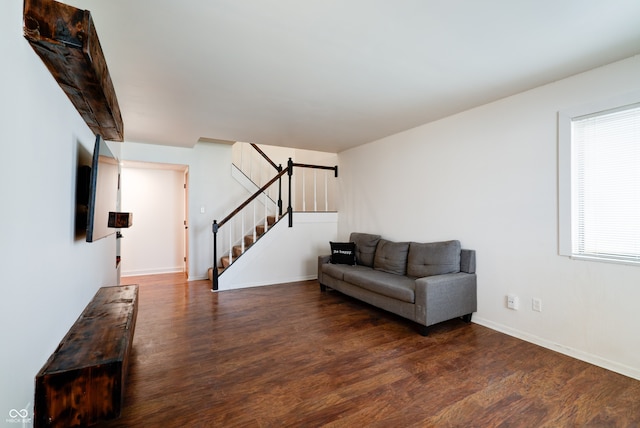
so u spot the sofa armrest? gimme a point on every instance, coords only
(468, 261)
(322, 260)
(443, 297)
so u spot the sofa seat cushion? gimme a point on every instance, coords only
(384, 283)
(337, 270)
(436, 258)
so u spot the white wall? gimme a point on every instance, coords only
(211, 187)
(488, 177)
(48, 274)
(155, 242)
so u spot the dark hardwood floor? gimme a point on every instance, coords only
(290, 356)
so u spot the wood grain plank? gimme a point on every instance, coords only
(66, 40)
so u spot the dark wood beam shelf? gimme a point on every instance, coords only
(66, 40)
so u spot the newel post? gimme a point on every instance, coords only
(214, 269)
(280, 192)
(290, 208)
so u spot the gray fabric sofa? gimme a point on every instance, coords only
(425, 282)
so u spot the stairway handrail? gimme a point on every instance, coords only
(252, 197)
(305, 165)
(276, 167)
(267, 158)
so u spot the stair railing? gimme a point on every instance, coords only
(313, 190)
(252, 165)
(259, 207)
(290, 166)
(314, 186)
(277, 168)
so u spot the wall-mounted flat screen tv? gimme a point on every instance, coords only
(103, 191)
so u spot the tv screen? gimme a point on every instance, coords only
(103, 191)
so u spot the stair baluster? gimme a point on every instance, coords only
(304, 190)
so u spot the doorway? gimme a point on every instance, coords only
(157, 195)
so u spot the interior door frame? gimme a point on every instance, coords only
(186, 222)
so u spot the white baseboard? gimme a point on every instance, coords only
(571, 352)
(267, 283)
(140, 272)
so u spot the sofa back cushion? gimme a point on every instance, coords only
(365, 247)
(391, 257)
(435, 258)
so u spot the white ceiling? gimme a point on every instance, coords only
(333, 74)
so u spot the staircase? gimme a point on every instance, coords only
(267, 203)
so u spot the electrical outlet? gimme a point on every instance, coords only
(536, 304)
(513, 302)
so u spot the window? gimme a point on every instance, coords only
(601, 201)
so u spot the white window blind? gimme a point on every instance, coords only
(605, 168)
